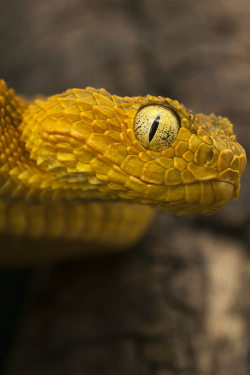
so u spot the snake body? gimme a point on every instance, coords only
(73, 167)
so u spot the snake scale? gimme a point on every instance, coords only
(91, 166)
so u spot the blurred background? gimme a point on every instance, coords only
(179, 303)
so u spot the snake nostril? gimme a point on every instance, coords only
(210, 156)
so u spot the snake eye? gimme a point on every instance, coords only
(156, 127)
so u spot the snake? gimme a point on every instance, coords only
(92, 167)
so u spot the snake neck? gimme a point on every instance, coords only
(14, 160)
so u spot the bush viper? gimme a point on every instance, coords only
(91, 166)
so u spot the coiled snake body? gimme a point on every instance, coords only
(91, 166)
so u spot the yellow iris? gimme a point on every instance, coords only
(156, 127)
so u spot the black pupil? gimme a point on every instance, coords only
(154, 128)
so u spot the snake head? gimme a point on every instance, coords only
(151, 150)
(204, 162)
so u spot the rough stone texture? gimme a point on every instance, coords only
(179, 303)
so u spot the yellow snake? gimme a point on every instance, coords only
(91, 166)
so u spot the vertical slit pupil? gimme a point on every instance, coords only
(153, 128)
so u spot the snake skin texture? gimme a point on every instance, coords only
(70, 162)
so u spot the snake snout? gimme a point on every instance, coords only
(231, 163)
